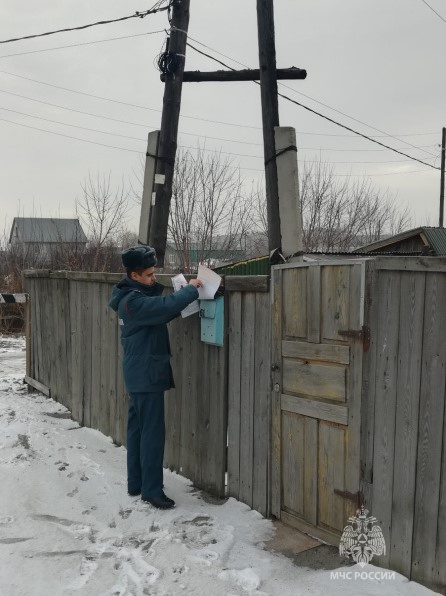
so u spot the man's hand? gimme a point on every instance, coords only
(195, 282)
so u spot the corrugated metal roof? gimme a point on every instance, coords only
(43, 229)
(435, 237)
(437, 240)
(261, 265)
(257, 266)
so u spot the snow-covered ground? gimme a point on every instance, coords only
(68, 527)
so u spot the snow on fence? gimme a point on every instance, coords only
(217, 417)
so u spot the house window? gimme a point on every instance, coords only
(172, 259)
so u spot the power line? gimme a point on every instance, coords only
(125, 103)
(358, 133)
(55, 105)
(239, 125)
(140, 139)
(300, 149)
(136, 15)
(59, 134)
(300, 93)
(145, 126)
(104, 132)
(433, 10)
(192, 134)
(86, 43)
(350, 117)
(326, 117)
(92, 114)
(141, 153)
(181, 146)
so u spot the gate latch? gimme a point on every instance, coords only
(363, 334)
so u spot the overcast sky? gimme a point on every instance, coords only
(379, 61)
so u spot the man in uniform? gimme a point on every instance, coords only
(143, 316)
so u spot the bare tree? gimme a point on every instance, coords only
(212, 212)
(104, 210)
(339, 214)
(127, 239)
(211, 209)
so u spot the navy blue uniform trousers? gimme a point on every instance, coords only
(145, 444)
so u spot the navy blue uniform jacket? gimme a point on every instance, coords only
(143, 317)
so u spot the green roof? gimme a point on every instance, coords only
(437, 239)
(256, 266)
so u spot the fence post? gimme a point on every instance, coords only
(28, 336)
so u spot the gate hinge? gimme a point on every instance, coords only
(357, 498)
(363, 334)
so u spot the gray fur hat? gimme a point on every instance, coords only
(139, 257)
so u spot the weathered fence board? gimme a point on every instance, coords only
(173, 406)
(439, 575)
(385, 403)
(276, 411)
(249, 391)
(406, 427)
(430, 429)
(262, 392)
(234, 394)
(247, 398)
(404, 422)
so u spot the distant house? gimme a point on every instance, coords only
(41, 237)
(424, 241)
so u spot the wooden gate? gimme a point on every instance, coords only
(317, 347)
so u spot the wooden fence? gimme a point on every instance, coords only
(403, 449)
(76, 358)
(219, 416)
(249, 391)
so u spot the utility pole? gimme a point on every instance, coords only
(173, 76)
(270, 115)
(443, 152)
(169, 128)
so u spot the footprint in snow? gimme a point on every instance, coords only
(75, 528)
(14, 540)
(197, 532)
(87, 567)
(91, 465)
(134, 574)
(63, 465)
(11, 416)
(125, 513)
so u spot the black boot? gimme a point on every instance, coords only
(168, 499)
(160, 502)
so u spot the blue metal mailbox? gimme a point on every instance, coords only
(212, 321)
